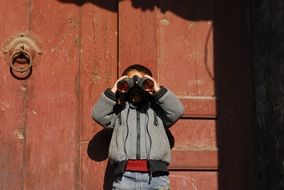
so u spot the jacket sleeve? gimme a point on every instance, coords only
(103, 111)
(169, 108)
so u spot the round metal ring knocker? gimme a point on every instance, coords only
(21, 58)
(22, 53)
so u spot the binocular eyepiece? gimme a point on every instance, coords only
(145, 83)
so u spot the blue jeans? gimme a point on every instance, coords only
(140, 181)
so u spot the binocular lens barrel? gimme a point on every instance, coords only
(148, 85)
(123, 86)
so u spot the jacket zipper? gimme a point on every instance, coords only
(138, 137)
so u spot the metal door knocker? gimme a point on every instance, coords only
(21, 52)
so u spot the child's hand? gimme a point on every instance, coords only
(156, 85)
(114, 88)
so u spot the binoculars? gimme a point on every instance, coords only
(145, 83)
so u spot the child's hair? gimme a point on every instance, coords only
(139, 68)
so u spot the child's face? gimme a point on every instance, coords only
(135, 94)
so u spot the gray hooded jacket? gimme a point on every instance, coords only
(139, 133)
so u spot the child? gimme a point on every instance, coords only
(139, 111)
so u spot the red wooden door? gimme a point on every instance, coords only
(45, 119)
(48, 139)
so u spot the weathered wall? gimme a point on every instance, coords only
(267, 26)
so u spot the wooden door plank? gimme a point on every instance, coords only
(52, 143)
(186, 66)
(177, 54)
(196, 147)
(137, 37)
(99, 60)
(196, 134)
(194, 159)
(199, 107)
(12, 99)
(98, 71)
(194, 180)
(186, 56)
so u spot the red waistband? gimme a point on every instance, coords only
(137, 165)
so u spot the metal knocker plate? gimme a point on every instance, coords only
(21, 52)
